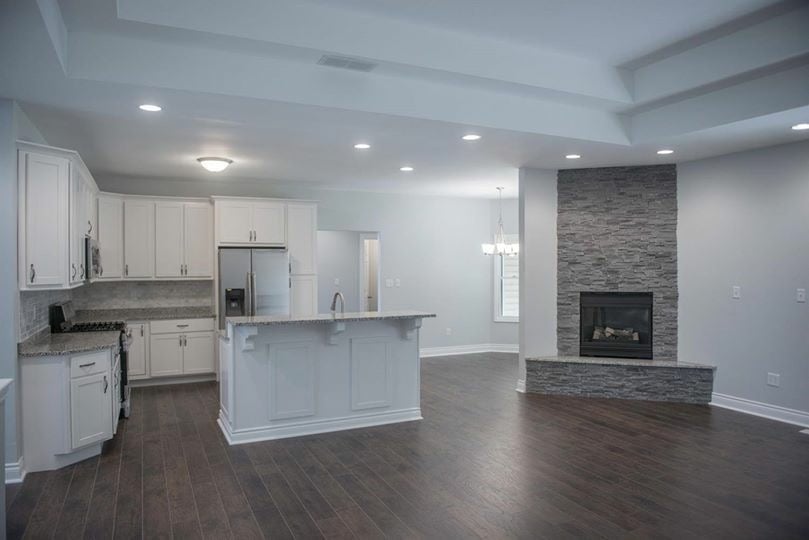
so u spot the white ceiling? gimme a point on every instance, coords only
(536, 78)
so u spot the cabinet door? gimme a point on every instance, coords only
(269, 223)
(137, 355)
(168, 239)
(111, 236)
(77, 226)
(139, 237)
(44, 192)
(166, 355)
(91, 208)
(198, 353)
(234, 222)
(198, 240)
(302, 238)
(90, 409)
(303, 296)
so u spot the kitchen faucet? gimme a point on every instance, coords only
(337, 295)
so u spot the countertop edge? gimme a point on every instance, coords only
(326, 318)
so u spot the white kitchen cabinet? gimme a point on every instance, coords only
(303, 296)
(139, 239)
(302, 237)
(90, 410)
(251, 222)
(44, 246)
(78, 213)
(198, 240)
(138, 353)
(166, 355)
(91, 209)
(169, 239)
(111, 236)
(198, 353)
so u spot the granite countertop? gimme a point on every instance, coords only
(48, 344)
(602, 361)
(145, 314)
(322, 318)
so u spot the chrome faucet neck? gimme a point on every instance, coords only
(337, 295)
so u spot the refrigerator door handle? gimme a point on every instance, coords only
(248, 297)
(253, 300)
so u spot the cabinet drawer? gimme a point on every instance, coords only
(181, 326)
(88, 364)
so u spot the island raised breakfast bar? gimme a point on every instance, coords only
(286, 376)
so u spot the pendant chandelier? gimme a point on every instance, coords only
(500, 247)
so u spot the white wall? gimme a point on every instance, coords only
(504, 333)
(338, 256)
(432, 244)
(744, 220)
(537, 217)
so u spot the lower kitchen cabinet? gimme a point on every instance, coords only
(166, 355)
(198, 353)
(138, 354)
(90, 409)
(181, 347)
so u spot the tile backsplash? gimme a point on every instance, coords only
(112, 294)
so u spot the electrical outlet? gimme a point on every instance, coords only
(388, 283)
(448, 331)
(737, 292)
(773, 379)
(800, 296)
(398, 282)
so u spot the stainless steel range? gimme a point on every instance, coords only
(62, 317)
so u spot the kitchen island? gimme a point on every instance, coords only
(283, 376)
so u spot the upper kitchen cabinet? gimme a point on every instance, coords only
(302, 237)
(55, 190)
(250, 222)
(111, 236)
(184, 240)
(198, 240)
(139, 239)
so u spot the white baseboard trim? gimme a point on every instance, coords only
(179, 379)
(453, 350)
(765, 410)
(15, 472)
(521, 385)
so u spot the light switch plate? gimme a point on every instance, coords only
(737, 292)
(800, 296)
(388, 283)
(773, 379)
(398, 282)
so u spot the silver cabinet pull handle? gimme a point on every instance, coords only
(100, 270)
(73, 275)
(90, 225)
(141, 330)
(126, 269)
(182, 326)
(87, 365)
(106, 384)
(82, 271)
(181, 340)
(33, 273)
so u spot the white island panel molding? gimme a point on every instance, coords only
(286, 377)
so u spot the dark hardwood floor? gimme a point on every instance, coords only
(485, 462)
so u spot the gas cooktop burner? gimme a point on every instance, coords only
(96, 327)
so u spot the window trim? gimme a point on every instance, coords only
(497, 274)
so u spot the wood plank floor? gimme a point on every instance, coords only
(485, 462)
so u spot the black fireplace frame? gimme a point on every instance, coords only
(616, 349)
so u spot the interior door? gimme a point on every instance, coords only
(198, 353)
(198, 240)
(233, 222)
(271, 283)
(111, 237)
(168, 239)
(139, 237)
(269, 223)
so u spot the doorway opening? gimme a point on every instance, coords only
(369, 272)
(349, 262)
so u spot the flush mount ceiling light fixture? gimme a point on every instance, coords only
(362, 146)
(500, 247)
(572, 156)
(149, 107)
(214, 164)
(406, 168)
(471, 137)
(801, 127)
(665, 152)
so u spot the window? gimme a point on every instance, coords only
(507, 286)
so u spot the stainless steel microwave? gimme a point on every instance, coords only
(92, 258)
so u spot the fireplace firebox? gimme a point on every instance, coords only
(617, 324)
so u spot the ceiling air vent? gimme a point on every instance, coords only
(346, 62)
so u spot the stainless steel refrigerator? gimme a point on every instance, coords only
(253, 282)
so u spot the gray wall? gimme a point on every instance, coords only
(432, 244)
(744, 220)
(504, 333)
(338, 256)
(617, 231)
(537, 216)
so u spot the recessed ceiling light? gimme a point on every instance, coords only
(800, 127)
(573, 156)
(362, 146)
(215, 164)
(471, 137)
(665, 152)
(406, 168)
(148, 107)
